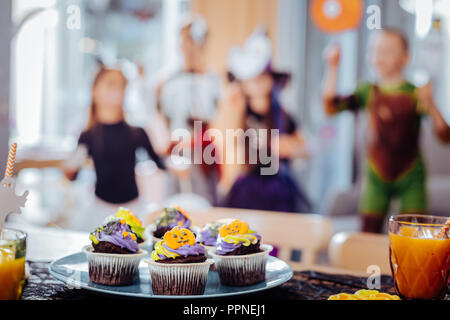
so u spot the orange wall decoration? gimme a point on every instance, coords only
(333, 16)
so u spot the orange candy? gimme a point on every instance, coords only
(178, 237)
(234, 228)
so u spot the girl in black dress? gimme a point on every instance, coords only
(112, 144)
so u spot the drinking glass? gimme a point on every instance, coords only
(12, 263)
(420, 260)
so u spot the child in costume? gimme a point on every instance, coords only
(111, 143)
(395, 167)
(253, 102)
(190, 95)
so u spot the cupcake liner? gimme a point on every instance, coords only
(178, 279)
(112, 269)
(242, 270)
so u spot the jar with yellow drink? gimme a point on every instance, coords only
(12, 263)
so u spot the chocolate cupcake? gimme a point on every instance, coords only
(170, 218)
(239, 258)
(114, 256)
(178, 264)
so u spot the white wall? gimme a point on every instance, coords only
(5, 34)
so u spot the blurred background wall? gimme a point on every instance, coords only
(230, 23)
(5, 49)
(47, 65)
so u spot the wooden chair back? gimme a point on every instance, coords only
(309, 233)
(357, 251)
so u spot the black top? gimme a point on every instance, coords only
(113, 149)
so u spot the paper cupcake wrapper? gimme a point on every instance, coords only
(242, 270)
(179, 279)
(113, 269)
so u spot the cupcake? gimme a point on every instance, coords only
(240, 259)
(170, 218)
(210, 232)
(178, 264)
(114, 256)
(133, 222)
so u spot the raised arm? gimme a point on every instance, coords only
(73, 164)
(332, 58)
(144, 141)
(440, 125)
(426, 101)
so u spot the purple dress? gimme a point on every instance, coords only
(278, 192)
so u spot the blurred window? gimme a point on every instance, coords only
(53, 65)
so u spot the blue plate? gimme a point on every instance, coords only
(73, 270)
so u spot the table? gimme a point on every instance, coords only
(47, 244)
(305, 285)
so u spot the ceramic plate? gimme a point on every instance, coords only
(73, 270)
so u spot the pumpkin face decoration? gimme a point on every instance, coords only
(178, 237)
(234, 228)
(332, 16)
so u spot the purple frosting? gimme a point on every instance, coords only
(208, 239)
(113, 232)
(223, 247)
(185, 251)
(186, 223)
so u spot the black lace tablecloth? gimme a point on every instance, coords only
(306, 285)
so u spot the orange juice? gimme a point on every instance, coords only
(12, 272)
(420, 266)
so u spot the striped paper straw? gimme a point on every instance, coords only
(443, 233)
(11, 161)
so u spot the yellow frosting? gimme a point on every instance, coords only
(159, 249)
(245, 239)
(126, 216)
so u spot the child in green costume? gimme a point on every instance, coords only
(395, 167)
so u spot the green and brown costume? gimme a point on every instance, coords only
(395, 167)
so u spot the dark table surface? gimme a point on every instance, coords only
(305, 285)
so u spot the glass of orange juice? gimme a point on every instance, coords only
(420, 259)
(12, 263)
